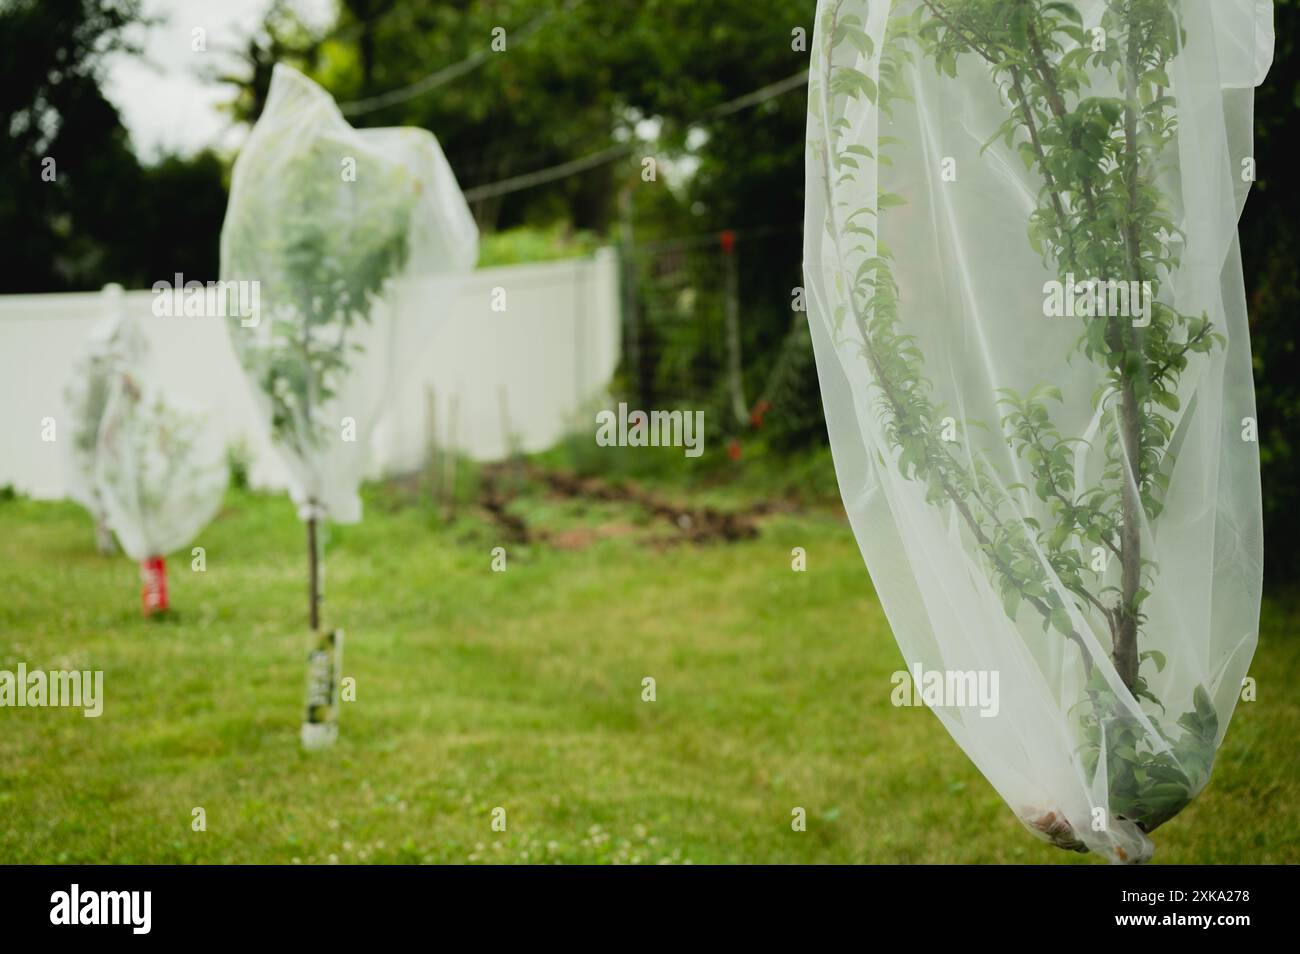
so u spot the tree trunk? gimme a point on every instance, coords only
(1124, 649)
(104, 538)
(313, 562)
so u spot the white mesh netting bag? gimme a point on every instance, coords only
(358, 240)
(114, 344)
(1026, 302)
(160, 470)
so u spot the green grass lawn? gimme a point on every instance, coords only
(523, 690)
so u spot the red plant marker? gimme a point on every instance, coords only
(153, 594)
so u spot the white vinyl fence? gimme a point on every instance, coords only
(491, 381)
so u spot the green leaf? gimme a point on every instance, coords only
(1011, 601)
(1060, 620)
(1166, 399)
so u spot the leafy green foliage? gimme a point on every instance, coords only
(331, 253)
(1100, 213)
(147, 452)
(1145, 784)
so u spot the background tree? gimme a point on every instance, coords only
(104, 217)
(1270, 235)
(51, 107)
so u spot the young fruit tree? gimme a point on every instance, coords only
(114, 343)
(159, 470)
(358, 241)
(1026, 303)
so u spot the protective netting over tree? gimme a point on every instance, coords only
(358, 240)
(160, 469)
(1026, 303)
(114, 344)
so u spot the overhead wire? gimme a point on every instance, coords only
(448, 73)
(570, 167)
(611, 153)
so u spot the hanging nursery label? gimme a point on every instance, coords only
(1111, 431)
(324, 669)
